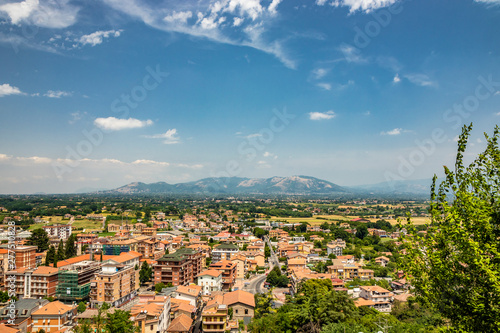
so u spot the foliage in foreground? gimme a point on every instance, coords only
(455, 266)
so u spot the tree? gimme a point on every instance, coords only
(146, 273)
(55, 261)
(70, 248)
(159, 287)
(83, 327)
(362, 232)
(60, 254)
(455, 266)
(119, 322)
(40, 239)
(81, 307)
(50, 256)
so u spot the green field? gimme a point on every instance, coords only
(320, 219)
(79, 224)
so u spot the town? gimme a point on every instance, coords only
(193, 265)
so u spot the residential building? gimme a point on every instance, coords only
(74, 281)
(37, 282)
(116, 284)
(52, 317)
(224, 252)
(210, 280)
(215, 316)
(228, 269)
(243, 304)
(382, 261)
(179, 268)
(191, 293)
(181, 324)
(22, 313)
(152, 316)
(61, 231)
(382, 298)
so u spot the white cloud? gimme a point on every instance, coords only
(47, 14)
(318, 73)
(396, 131)
(497, 93)
(116, 124)
(263, 165)
(420, 80)
(396, 79)
(324, 85)
(57, 94)
(489, 2)
(272, 7)
(270, 155)
(170, 137)
(352, 54)
(355, 5)
(97, 37)
(497, 114)
(254, 135)
(252, 21)
(76, 116)
(322, 115)
(237, 21)
(6, 90)
(178, 17)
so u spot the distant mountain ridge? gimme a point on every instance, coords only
(300, 185)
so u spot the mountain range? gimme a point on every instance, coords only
(294, 185)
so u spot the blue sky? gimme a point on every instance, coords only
(103, 93)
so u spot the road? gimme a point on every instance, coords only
(255, 286)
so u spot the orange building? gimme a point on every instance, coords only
(228, 269)
(179, 268)
(25, 256)
(35, 283)
(116, 284)
(52, 317)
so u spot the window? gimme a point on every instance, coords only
(246, 311)
(151, 328)
(236, 311)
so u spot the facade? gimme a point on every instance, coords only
(191, 293)
(25, 257)
(52, 317)
(74, 281)
(224, 252)
(228, 269)
(214, 316)
(179, 268)
(243, 304)
(61, 231)
(35, 283)
(210, 280)
(152, 316)
(116, 285)
(381, 298)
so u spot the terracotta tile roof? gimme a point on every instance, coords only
(363, 302)
(180, 324)
(211, 272)
(239, 296)
(53, 308)
(7, 329)
(375, 288)
(45, 270)
(182, 306)
(191, 290)
(153, 309)
(4, 251)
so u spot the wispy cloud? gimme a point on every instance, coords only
(116, 124)
(169, 137)
(322, 115)
(324, 85)
(396, 79)
(319, 73)
(270, 155)
(57, 94)
(76, 116)
(489, 2)
(6, 90)
(362, 5)
(98, 37)
(396, 131)
(420, 80)
(47, 14)
(352, 54)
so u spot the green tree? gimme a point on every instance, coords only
(455, 266)
(146, 273)
(61, 253)
(119, 322)
(40, 239)
(83, 327)
(159, 287)
(361, 231)
(50, 256)
(81, 307)
(70, 248)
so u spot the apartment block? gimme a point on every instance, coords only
(115, 284)
(228, 269)
(35, 282)
(179, 268)
(52, 317)
(61, 231)
(74, 281)
(224, 252)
